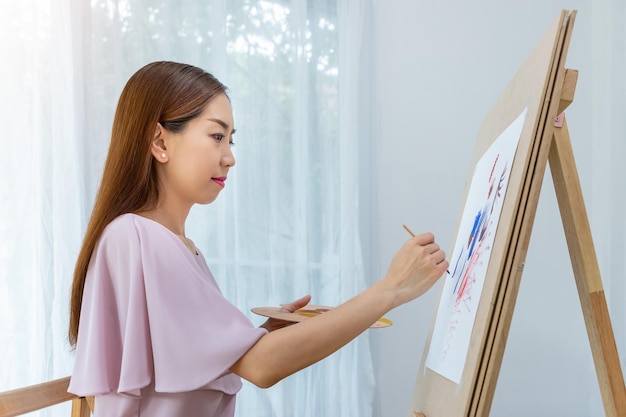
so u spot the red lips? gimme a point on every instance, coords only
(219, 181)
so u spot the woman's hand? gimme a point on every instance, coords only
(274, 324)
(416, 267)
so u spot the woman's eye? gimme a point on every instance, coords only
(218, 137)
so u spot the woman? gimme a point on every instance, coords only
(153, 334)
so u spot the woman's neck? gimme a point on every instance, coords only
(174, 223)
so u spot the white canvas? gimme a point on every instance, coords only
(470, 258)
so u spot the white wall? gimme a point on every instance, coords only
(439, 67)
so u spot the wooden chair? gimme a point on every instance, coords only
(36, 397)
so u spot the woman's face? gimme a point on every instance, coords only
(199, 157)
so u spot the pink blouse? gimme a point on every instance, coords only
(156, 335)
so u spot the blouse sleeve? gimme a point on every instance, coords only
(150, 313)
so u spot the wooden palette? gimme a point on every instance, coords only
(305, 313)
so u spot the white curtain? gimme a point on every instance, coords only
(42, 186)
(287, 225)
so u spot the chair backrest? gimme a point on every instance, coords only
(36, 397)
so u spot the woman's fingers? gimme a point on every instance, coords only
(295, 305)
(431, 248)
(438, 256)
(424, 238)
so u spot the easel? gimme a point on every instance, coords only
(584, 264)
(584, 260)
(474, 396)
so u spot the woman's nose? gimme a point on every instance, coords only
(228, 159)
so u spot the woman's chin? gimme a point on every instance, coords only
(207, 200)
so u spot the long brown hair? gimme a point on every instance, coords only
(168, 93)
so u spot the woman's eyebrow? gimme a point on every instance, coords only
(221, 123)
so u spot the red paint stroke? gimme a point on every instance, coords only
(477, 248)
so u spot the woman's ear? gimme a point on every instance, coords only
(158, 147)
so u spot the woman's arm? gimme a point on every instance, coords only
(413, 270)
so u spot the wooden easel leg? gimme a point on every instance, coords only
(587, 273)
